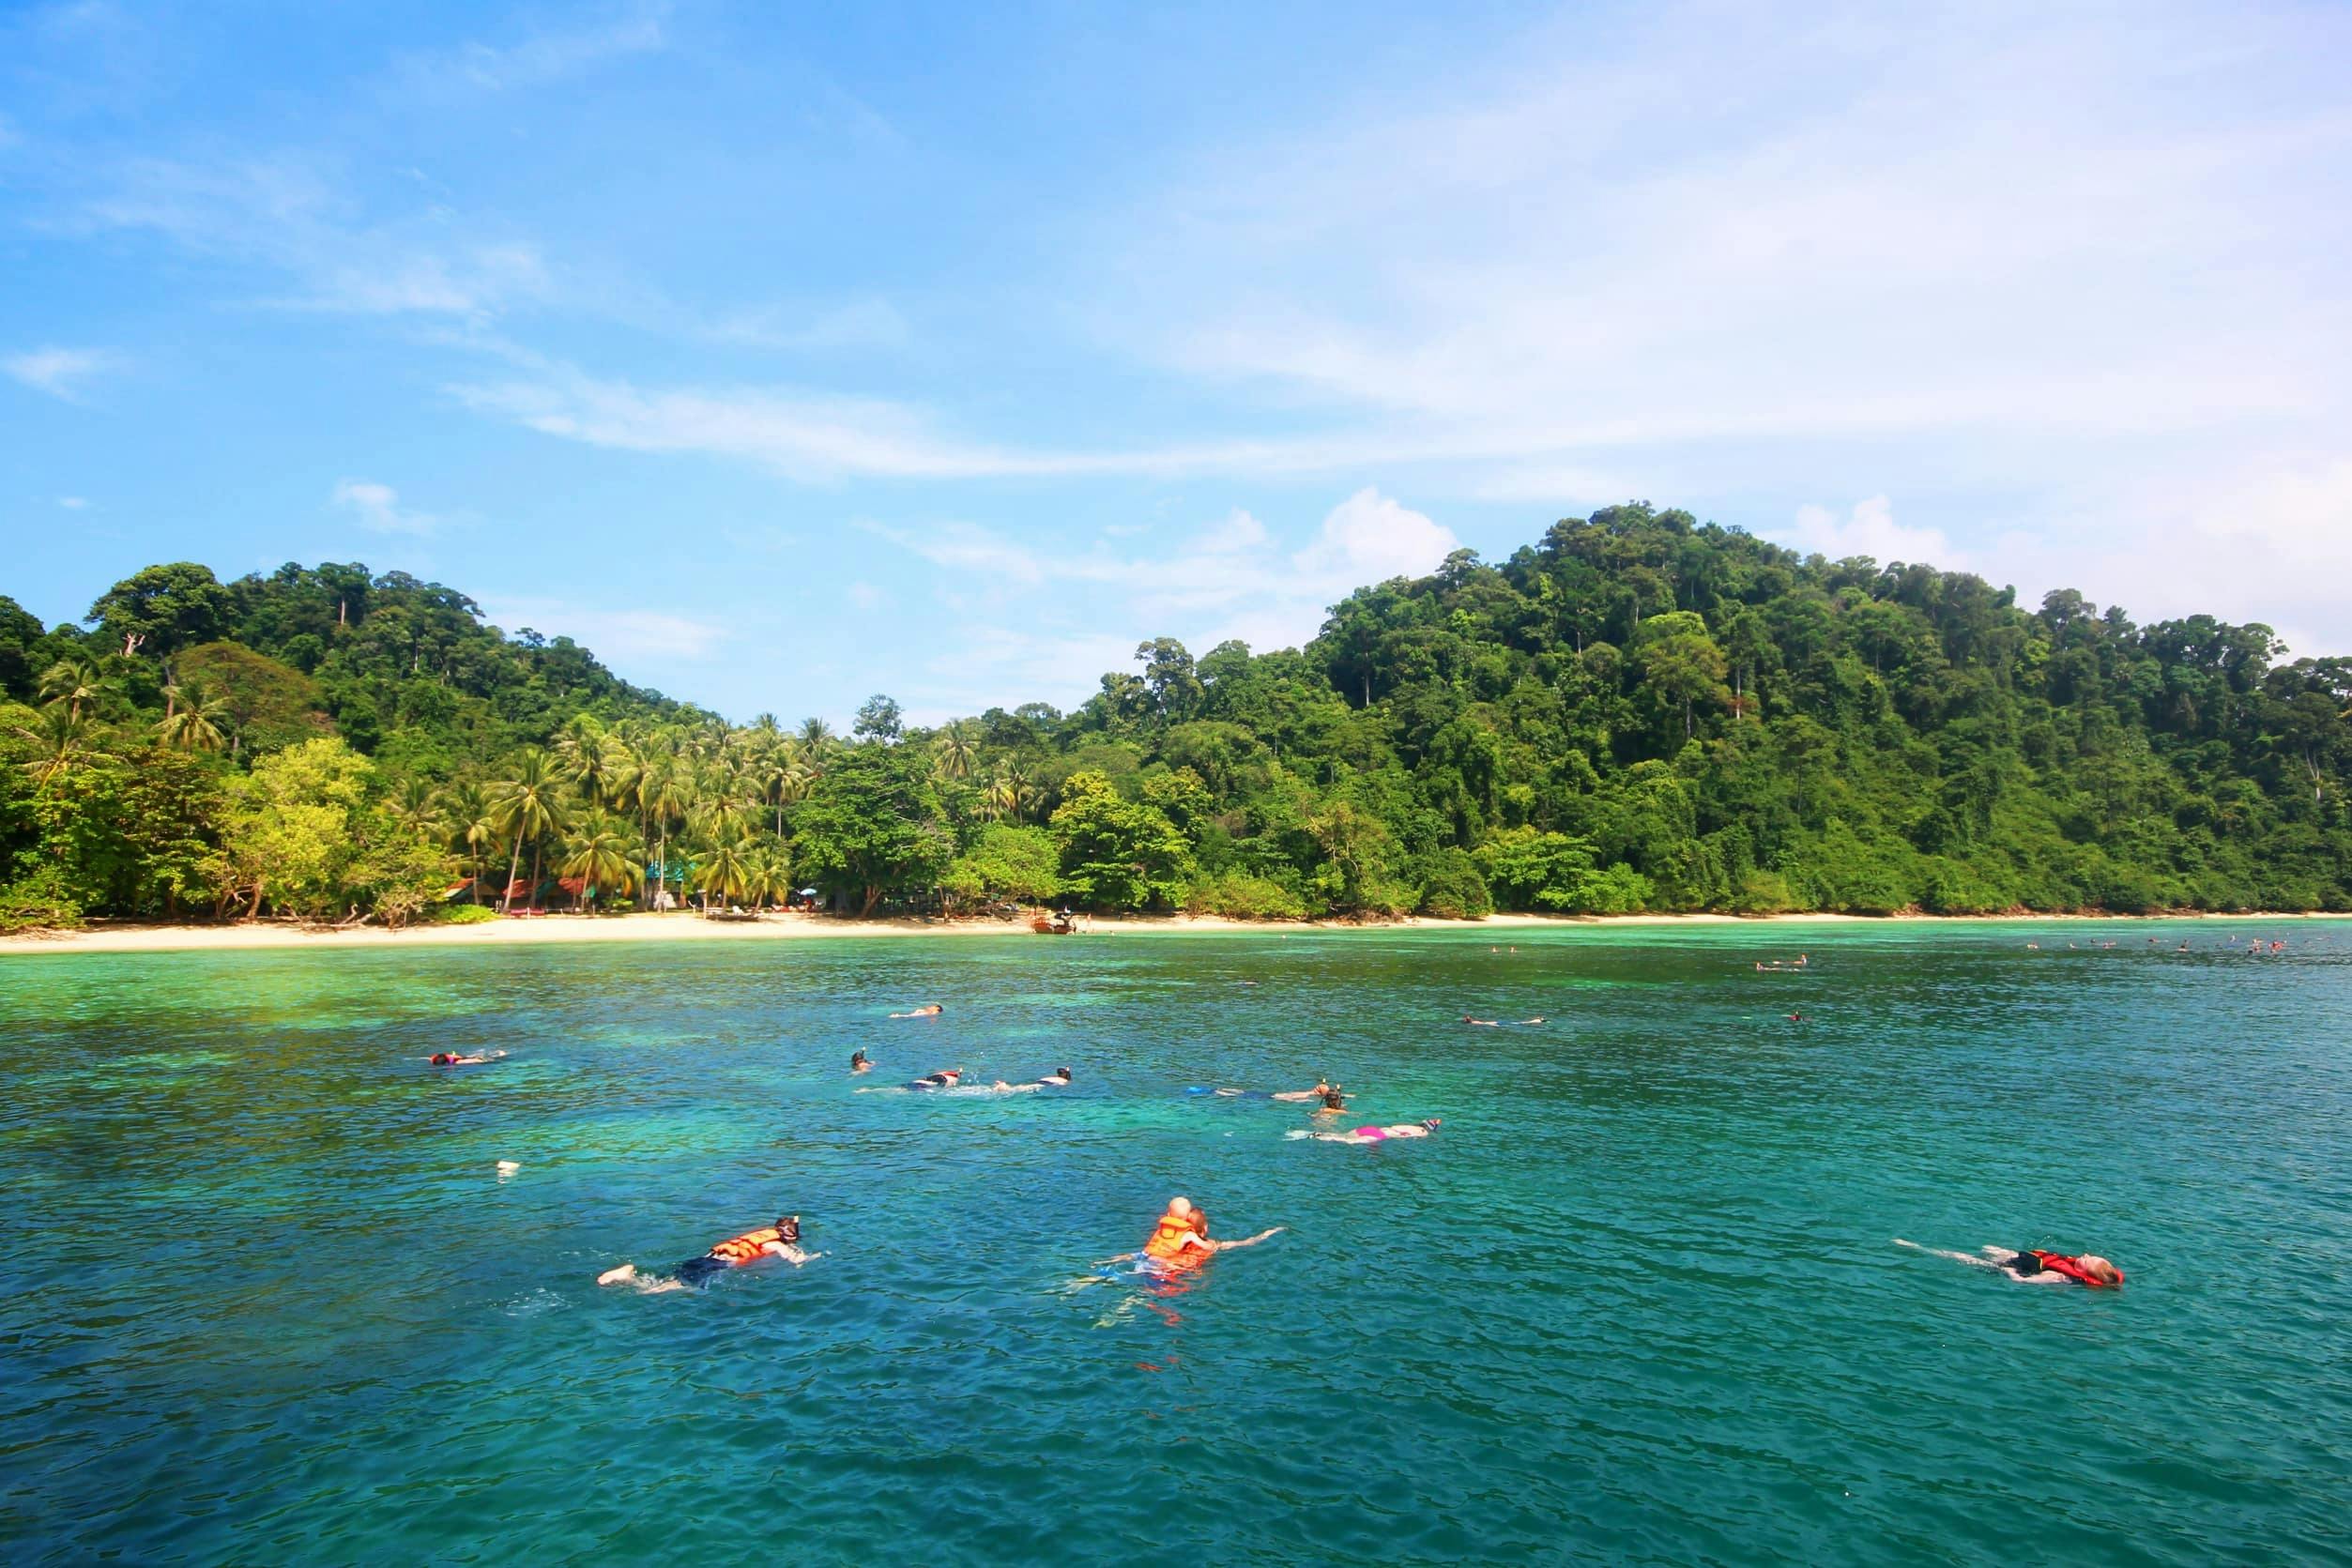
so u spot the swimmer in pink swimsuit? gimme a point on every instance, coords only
(1372, 1134)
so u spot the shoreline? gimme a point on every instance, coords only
(560, 929)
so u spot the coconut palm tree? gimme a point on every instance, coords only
(472, 827)
(723, 870)
(954, 749)
(1012, 793)
(598, 855)
(664, 796)
(528, 805)
(415, 807)
(767, 873)
(816, 734)
(192, 723)
(72, 680)
(62, 741)
(586, 756)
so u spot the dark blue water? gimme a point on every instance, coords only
(265, 1298)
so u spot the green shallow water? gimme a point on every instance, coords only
(264, 1298)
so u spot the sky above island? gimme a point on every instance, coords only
(783, 355)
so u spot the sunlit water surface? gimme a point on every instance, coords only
(267, 1298)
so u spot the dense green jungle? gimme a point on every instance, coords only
(1637, 712)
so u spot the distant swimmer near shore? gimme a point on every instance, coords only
(452, 1058)
(930, 1010)
(947, 1077)
(781, 1239)
(2033, 1265)
(858, 1062)
(1372, 1134)
(1322, 1087)
(1057, 1079)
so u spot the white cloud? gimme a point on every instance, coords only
(74, 503)
(1869, 529)
(61, 372)
(1230, 578)
(2271, 543)
(376, 507)
(613, 635)
(864, 595)
(1369, 537)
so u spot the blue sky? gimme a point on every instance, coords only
(783, 356)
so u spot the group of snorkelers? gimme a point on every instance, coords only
(1180, 1240)
(953, 1077)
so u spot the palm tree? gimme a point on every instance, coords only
(954, 749)
(530, 805)
(72, 680)
(663, 796)
(724, 870)
(1012, 793)
(598, 855)
(192, 723)
(587, 757)
(416, 807)
(465, 812)
(767, 875)
(816, 734)
(61, 742)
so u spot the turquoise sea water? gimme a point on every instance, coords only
(265, 1298)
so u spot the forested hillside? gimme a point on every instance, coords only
(1637, 712)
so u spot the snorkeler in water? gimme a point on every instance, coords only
(454, 1059)
(781, 1239)
(1057, 1079)
(947, 1077)
(2032, 1266)
(858, 1062)
(1372, 1134)
(929, 1010)
(1180, 1240)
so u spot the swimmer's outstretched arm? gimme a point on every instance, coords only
(1246, 1240)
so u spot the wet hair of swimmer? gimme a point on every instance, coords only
(1061, 1072)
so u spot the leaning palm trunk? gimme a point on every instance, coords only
(513, 868)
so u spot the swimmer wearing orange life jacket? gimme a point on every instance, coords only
(781, 1239)
(1181, 1239)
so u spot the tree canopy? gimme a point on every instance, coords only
(1637, 711)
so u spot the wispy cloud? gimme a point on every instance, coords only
(288, 217)
(539, 57)
(61, 372)
(74, 503)
(378, 509)
(1230, 578)
(616, 635)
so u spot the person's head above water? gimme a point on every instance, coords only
(2099, 1269)
(1063, 1074)
(788, 1229)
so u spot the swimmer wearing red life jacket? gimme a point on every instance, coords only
(2041, 1268)
(457, 1058)
(781, 1239)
